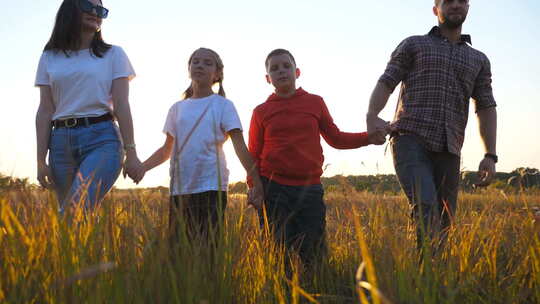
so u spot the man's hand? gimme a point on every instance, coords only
(486, 172)
(377, 137)
(44, 176)
(374, 123)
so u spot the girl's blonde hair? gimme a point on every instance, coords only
(219, 71)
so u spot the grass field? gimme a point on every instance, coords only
(122, 255)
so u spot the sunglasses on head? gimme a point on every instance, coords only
(88, 7)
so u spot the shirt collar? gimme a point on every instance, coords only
(436, 31)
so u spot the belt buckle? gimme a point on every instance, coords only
(70, 125)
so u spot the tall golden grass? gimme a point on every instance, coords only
(121, 254)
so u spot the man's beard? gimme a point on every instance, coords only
(452, 24)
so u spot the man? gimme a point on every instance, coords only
(439, 73)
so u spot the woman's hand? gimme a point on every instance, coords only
(44, 176)
(133, 168)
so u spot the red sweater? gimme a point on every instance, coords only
(284, 138)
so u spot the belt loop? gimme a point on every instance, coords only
(86, 122)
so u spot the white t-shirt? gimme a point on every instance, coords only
(198, 164)
(81, 83)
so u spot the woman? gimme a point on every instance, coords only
(84, 85)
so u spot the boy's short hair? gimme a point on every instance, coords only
(278, 52)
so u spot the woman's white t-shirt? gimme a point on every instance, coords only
(200, 128)
(81, 83)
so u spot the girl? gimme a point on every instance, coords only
(83, 85)
(196, 129)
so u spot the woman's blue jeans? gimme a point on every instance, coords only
(85, 162)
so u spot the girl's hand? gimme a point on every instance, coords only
(138, 175)
(133, 168)
(256, 197)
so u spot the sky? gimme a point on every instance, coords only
(341, 47)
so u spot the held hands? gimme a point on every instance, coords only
(377, 129)
(377, 137)
(486, 172)
(133, 168)
(256, 196)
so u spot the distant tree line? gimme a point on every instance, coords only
(519, 179)
(12, 183)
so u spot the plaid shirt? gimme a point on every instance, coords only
(438, 79)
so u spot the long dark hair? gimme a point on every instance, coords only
(219, 70)
(66, 34)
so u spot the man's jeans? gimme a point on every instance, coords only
(297, 217)
(429, 179)
(85, 162)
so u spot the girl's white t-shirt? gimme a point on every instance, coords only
(200, 128)
(81, 83)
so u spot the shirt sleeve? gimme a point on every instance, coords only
(229, 117)
(121, 65)
(334, 137)
(42, 76)
(255, 142)
(399, 65)
(170, 123)
(482, 92)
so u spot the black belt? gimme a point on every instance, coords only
(80, 121)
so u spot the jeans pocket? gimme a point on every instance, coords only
(104, 132)
(100, 128)
(405, 148)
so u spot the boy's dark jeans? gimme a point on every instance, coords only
(297, 217)
(432, 178)
(201, 213)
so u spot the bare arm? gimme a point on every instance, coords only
(43, 132)
(377, 102)
(247, 162)
(400, 64)
(122, 112)
(161, 155)
(487, 122)
(243, 154)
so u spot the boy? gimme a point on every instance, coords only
(284, 139)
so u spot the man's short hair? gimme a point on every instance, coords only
(278, 52)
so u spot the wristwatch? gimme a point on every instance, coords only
(129, 146)
(492, 156)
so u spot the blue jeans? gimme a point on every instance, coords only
(429, 179)
(297, 217)
(85, 162)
